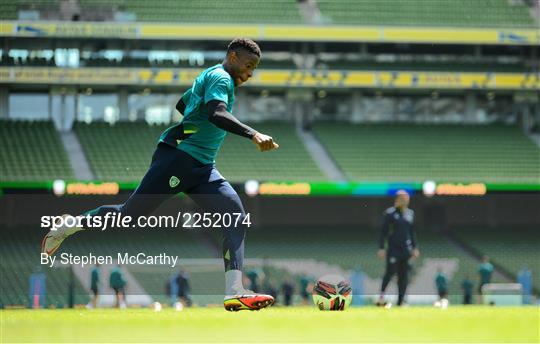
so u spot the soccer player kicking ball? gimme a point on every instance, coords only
(184, 162)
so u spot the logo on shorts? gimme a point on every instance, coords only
(174, 181)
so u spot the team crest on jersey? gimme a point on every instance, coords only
(174, 181)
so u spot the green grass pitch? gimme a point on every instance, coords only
(299, 324)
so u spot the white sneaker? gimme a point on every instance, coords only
(52, 241)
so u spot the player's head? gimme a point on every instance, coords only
(485, 259)
(243, 56)
(402, 199)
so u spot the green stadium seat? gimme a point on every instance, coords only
(17, 266)
(416, 153)
(512, 248)
(32, 151)
(486, 13)
(190, 11)
(239, 160)
(122, 152)
(489, 13)
(354, 248)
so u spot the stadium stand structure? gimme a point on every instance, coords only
(32, 151)
(511, 248)
(145, 63)
(464, 66)
(221, 11)
(240, 161)
(19, 260)
(351, 249)
(416, 153)
(199, 255)
(122, 152)
(491, 13)
(369, 64)
(515, 65)
(17, 265)
(356, 248)
(488, 13)
(185, 243)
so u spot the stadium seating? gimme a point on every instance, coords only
(222, 11)
(512, 248)
(433, 245)
(122, 153)
(492, 13)
(416, 153)
(489, 13)
(32, 151)
(17, 264)
(239, 160)
(355, 248)
(184, 243)
(20, 259)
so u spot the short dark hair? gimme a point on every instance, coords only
(245, 44)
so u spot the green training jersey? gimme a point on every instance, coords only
(485, 271)
(116, 279)
(440, 281)
(195, 134)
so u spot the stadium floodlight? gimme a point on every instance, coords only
(59, 187)
(429, 188)
(251, 187)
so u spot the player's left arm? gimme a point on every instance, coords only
(416, 251)
(216, 99)
(220, 117)
(181, 105)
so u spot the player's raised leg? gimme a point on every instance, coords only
(53, 239)
(220, 197)
(153, 190)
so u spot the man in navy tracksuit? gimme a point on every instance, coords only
(397, 244)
